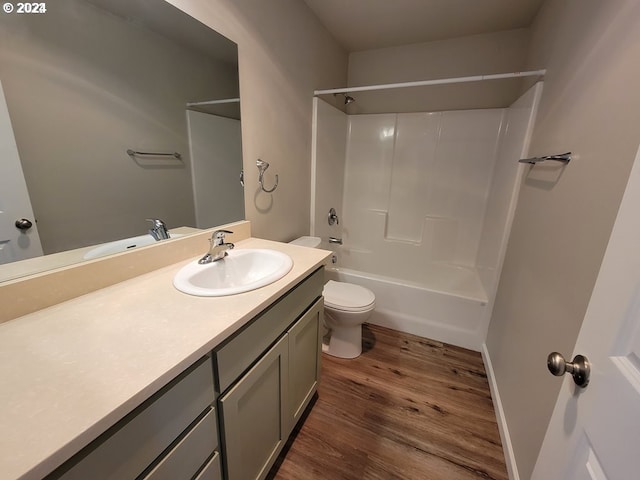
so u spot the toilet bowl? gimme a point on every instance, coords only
(346, 306)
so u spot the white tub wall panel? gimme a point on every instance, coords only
(330, 151)
(368, 167)
(369, 160)
(504, 183)
(400, 259)
(503, 194)
(425, 236)
(359, 247)
(445, 158)
(442, 233)
(465, 158)
(442, 167)
(411, 174)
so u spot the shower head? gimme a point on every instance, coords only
(347, 98)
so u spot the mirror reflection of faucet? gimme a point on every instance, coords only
(218, 249)
(158, 229)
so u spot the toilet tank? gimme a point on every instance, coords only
(312, 242)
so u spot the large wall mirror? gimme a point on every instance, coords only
(85, 83)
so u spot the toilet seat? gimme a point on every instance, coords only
(348, 297)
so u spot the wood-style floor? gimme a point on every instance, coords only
(407, 408)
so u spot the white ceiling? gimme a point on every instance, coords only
(369, 24)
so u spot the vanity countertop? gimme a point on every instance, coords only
(31, 266)
(70, 371)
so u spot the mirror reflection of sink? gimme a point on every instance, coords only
(241, 271)
(123, 245)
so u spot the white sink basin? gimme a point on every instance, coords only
(241, 271)
(123, 245)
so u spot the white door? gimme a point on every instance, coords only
(15, 244)
(595, 432)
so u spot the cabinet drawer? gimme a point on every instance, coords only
(235, 356)
(129, 447)
(186, 458)
(212, 470)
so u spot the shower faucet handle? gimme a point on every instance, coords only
(333, 217)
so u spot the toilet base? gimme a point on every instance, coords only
(344, 342)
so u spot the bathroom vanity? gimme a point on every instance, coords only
(138, 380)
(259, 408)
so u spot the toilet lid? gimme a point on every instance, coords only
(312, 242)
(347, 296)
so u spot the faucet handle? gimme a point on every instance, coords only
(333, 217)
(220, 233)
(218, 236)
(156, 222)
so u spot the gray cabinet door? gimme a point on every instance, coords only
(255, 416)
(305, 339)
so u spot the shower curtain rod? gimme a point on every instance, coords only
(439, 81)
(213, 102)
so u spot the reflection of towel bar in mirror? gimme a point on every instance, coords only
(563, 157)
(134, 153)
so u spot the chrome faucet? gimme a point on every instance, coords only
(218, 249)
(158, 229)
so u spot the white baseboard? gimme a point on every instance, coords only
(507, 447)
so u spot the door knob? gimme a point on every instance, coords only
(579, 368)
(23, 224)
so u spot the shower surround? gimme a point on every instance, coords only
(425, 202)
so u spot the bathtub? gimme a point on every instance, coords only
(450, 308)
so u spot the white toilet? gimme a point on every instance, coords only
(346, 306)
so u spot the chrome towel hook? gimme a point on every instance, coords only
(262, 167)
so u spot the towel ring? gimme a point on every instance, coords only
(262, 167)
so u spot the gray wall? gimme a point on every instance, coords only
(285, 54)
(459, 57)
(82, 87)
(591, 107)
